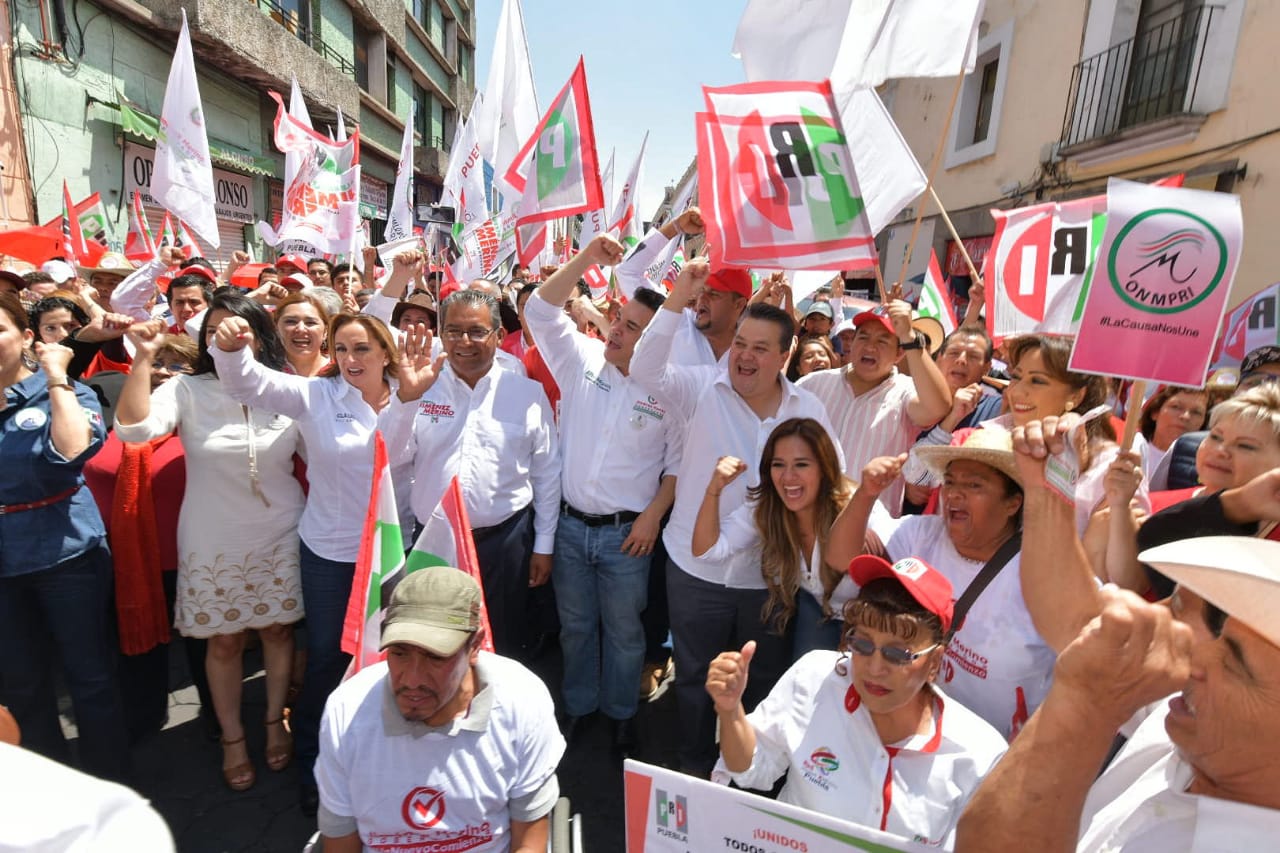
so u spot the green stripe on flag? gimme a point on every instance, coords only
(422, 560)
(1097, 228)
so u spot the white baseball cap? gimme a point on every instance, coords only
(60, 271)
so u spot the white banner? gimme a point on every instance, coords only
(233, 194)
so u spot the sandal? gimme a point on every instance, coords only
(278, 757)
(240, 777)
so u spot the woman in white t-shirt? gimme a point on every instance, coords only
(998, 664)
(786, 519)
(863, 734)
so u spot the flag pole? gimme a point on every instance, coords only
(933, 170)
(964, 253)
(884, 297)
(1133, 415)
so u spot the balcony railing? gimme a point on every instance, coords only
(297, 23)
(1148, 77)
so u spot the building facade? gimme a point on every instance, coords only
(1066, 95)
(88, 81)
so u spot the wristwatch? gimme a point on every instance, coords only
(915, 343)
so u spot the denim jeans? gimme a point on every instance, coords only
(62, 616)
(326, 587)
(813, 629)
(600, 594)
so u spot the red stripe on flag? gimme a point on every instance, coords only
(353, 624)
(456, 511)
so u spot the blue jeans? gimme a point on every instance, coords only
(600, 594)
(813, 629)
(62, 615)
(326, 587)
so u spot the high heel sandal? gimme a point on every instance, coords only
(243, 772)
(278, 757)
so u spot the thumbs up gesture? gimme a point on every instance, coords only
(727, 678)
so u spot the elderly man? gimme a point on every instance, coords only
(466, 416)
(443, 746)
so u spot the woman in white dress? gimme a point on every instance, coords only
(237, 530)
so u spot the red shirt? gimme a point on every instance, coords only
(539, 372)
(168, 484)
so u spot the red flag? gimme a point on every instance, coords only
(73, 247)
(139, 245)
(186, 241)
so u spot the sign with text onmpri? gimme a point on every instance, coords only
(1165, 269)
(669, 812)
(233, 193)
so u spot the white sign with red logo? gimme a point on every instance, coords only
(669, 812)
(1256, 323)
(1165, 269)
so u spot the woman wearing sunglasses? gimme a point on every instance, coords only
(863, 734)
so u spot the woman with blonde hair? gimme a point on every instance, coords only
(301, 319)
(787, 518)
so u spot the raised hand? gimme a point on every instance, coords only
(418, 370)
(147, 339)
(690, 222)
(879, 473)
(105, 327)
(234, 334)
(171, 256)
(54, 359)
(899, 314)
(1122, 479)
(728, 469)
(727, 678)
(604, 250)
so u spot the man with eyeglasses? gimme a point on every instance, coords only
(462, 415)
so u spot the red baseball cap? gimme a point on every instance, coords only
(296, 261)
(731, 280)
(926, 584)
(875, 315)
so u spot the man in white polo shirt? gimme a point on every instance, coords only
(620, 450)
(443, 746)
(730, 410)
(876, 410)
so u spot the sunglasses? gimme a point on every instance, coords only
(895, 655)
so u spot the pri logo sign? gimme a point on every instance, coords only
(672, 813)
(1166, 260)
(423, 808)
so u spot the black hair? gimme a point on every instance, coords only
(773, 314)
(267, 271)
(270, 348)
(193, 280)
(37, 277)
(885, 605)
(339, 269)
(649, 298)
(198, 261)
(322, 261)
(969, 330)
(53, 303)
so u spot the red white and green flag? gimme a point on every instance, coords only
(557, 172)
(73, 247)
(625, 221)
(186, 241)
(933, 297)
(139, 245)
(778, 182)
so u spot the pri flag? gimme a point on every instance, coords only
(556, 171)
(778, 183)
(400, 212)
(933, 297)
(73, 247)
(1256, 323)
(139, 245)
(624, 221)
(1165, 270)
(464, 180)
(184, 240)
(182, 181)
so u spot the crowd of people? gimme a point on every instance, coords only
(837, 531)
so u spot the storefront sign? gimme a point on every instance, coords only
(373, 198)
(234, 193)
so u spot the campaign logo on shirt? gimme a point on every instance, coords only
(672, 815)
(965, 658)
(595, 379)
(344, 417)
(435, 411)
(820, 764)
(648, 408)
(31, 418)
(423, 808)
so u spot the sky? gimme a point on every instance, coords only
(645, 64)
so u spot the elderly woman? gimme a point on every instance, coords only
(55, 569)
(786, 519)
(999, 663)
(864, 733)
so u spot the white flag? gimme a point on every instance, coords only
(182, 182)
(342, 127)
(857, 43)
(509, 109)
(888, 173)
(625, 219)
(400, 211)
(298, 110)
(464, 179)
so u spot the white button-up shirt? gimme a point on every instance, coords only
(720, 423)
(383, 307)
(498, 439)
(814, 728)
(617, 440)
(1141, 805)
(337, 428)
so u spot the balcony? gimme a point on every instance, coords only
(1141, 90)
(296, 24)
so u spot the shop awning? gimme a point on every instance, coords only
(146, 126)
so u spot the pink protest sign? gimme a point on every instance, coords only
(1164, 272)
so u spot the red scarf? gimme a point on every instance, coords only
(140, 603)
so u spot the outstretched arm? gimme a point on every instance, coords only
(848, 535)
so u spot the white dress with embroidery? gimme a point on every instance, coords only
(237, 544)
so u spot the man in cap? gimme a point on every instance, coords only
(111, 270)
(60, 271)
(818, 319)
(878, 411)
(11, 282)
(443, 746)
(288, 263)
(1259, 366)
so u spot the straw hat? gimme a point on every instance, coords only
(1240, 575)
(990, 445)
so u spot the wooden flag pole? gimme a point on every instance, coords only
(933, 170)
(884, 294)
(964, 253)
(1133, 414)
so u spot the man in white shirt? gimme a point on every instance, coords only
(443, 746)
(620, 450)
(464, 416)
(876, 410)
(730, 411)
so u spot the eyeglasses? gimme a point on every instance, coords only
(895, 655)
(476, 336)
(172, 367)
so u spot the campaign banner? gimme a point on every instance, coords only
(1256, 323)
(778, 179)
(1165, 269)
(669, 812)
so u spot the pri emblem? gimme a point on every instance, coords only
(423, 808)
(1166, 260)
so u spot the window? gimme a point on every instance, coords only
(361, 37)
(421, 12)
(422, 113)
(391, 84)
(975, 127)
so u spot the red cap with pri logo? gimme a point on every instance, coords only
(926, 584)
(732, 280)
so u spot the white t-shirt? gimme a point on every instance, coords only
(997, 664)
(835, 763)
(1141, 805)
(411, 786)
